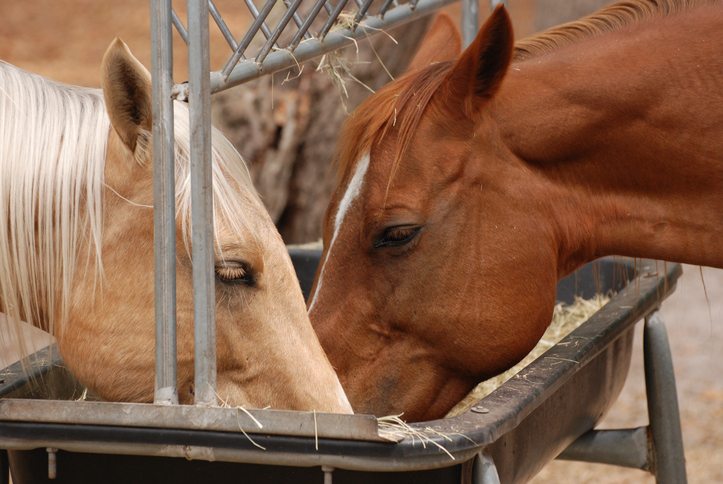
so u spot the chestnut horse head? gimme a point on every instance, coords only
(469, 186)
(77, 255)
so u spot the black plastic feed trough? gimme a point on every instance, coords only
(509, 435)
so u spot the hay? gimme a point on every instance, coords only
(339, 68)
(392, 427)
(565, 319)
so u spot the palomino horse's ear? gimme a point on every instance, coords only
(127, 91)
(441, 43)
(482, 66)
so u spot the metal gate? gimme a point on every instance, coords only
(361, 18)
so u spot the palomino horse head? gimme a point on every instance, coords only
(77, 186)
(471, 185)
(419, 231)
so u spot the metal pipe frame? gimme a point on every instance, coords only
(204, 298)
(164, 202)
(304, 26)
(658, 447)
(197, 91)
(668, 455)
(258, 23)
(290, 11)
(332, 18)
(484, 470)
(249, 454)
(247, 70)
(620, 447)
(222, 27)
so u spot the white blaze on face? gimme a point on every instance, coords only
(352, 192)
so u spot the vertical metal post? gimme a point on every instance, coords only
(663, 415)
(484, 470)
(470, 20)
(201, 203)
(164, 202)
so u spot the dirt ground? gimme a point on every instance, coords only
(65, 40)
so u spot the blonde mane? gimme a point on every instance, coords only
(53, 141)
(609, 19)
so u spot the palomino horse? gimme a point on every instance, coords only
(76, 256)
(472, 184)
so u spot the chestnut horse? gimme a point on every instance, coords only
(471, 185)
(76, 254)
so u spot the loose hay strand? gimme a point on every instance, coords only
(394, 428)
(316, 433)
(239, 409)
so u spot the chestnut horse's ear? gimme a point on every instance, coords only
(482, 66)
(127, 92)
(441, 43)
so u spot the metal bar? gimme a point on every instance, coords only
(385, 6)
(470, 20)
(303, 29)
(484, 470)
(164, 202)
(336, 39)
(285, 19)
(494, 3)
(243, 452)
(361, 13)
(179, 27)
(663, 415)
(299, 22)
(191, 417)
(328, 474)
(327, 7)
(333, 16)
(254, 11)
(620, 447)
(201, 204)
(250, 34)
(222, 25)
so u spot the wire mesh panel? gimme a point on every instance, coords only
(285, 33)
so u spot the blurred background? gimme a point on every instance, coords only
(286, 126)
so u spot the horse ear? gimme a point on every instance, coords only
(441, 43)
(127, 92)
(482, 66)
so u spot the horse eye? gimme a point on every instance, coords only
(397, 236)
(235, 272)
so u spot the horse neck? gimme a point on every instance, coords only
(625, 130)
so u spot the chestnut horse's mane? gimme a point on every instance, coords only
(401, 104)
(398, 105)
(53, 142)
(609, 19)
